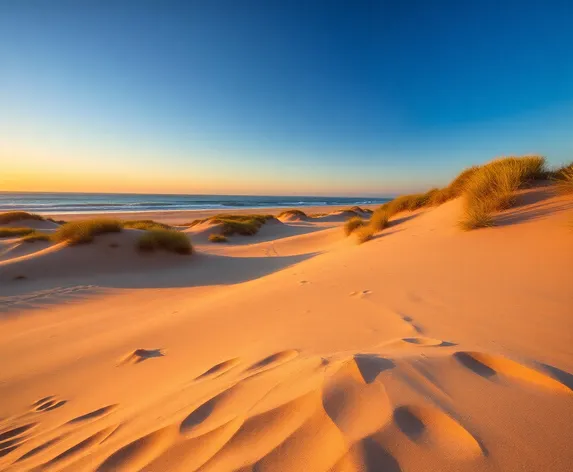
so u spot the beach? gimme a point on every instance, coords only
(296, 349)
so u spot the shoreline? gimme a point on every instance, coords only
(178, 217)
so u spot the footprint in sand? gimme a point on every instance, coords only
(47, 404)
(140, 355)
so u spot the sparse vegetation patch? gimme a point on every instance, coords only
(11, 216)
(218, 238)
(84, 231)
(144, 224)
(165, 239)
(352, 224)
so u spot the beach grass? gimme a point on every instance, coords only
(14, 232)
(379, 219)
(244, 225)
(218, 238)
(476, 217)
(84, 231)
(11, 216)
(492, 187)
(165, 239)
(352, 224)
(486, 189)
(563, 179)
(144, 225)
(364, 233)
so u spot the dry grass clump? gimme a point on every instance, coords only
(352, 224)
(13, 232)
(218, 238)
(293, 212)
(364, 233)
(81, 232)
(563, 178)
(492, 187)
(245, 225)
(476, 217)
(36, 236)
(379, 219)
(166, 239)
(144, 225)
(487, 188)
(11, 216)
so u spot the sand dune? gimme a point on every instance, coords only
(426, 348)
(43, 225)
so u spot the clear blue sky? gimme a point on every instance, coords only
(339, 97)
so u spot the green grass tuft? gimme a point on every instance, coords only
(12, 216)
(218, 238)
(352, 224)
(166, 239)
(84, 231)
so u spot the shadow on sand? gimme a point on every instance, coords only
(195, 271)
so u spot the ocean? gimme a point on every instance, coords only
(52, 203)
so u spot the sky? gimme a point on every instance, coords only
(277, 97)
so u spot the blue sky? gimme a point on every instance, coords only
(323, 97)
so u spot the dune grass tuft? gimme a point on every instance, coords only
(364, 233)
(14, 232)
(492, 187)
(476, 217)
(84, 231)
(245, 225)
(144, 224)
(165, 239)
(11, 216)
(352, 224)
(379, 219)
(293, 212)
(218, 238)
(564, 179)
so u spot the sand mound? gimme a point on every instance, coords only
(293, 215)
(339, 216)
(14, 248)
(43, 225)
(108, 253)
(290, 412)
